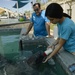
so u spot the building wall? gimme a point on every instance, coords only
(66, 7)
(73, 13)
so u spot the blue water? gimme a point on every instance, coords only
(9, 45)
(9, 39)
(16, 60)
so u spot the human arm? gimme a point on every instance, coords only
(57, 48)
(30, 25)
(47, 23)
(29, 28)
(48, 28)
(53, 44)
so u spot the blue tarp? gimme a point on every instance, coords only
(20, 4)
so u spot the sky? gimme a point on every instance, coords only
(9, 5)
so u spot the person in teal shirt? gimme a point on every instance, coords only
(39, 22)
(66, 30)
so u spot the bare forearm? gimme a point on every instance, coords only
(55, 51)
(57, 48)
(48, 28)
(29, 28)
(55, 42)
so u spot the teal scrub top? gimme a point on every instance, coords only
(66, 31)
(39, 24)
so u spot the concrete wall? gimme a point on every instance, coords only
(66, 7)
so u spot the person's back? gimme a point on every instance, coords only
(24, 17)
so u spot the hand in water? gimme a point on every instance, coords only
(44, 61)
(39, 59)
(48, 51)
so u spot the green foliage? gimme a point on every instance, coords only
(21, 19)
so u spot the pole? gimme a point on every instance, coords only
(17, 10)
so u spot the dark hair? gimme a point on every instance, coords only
(66, 15)
(54, 10)
(37, 4)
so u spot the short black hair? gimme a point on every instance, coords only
(54, 10)
(37, 4)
